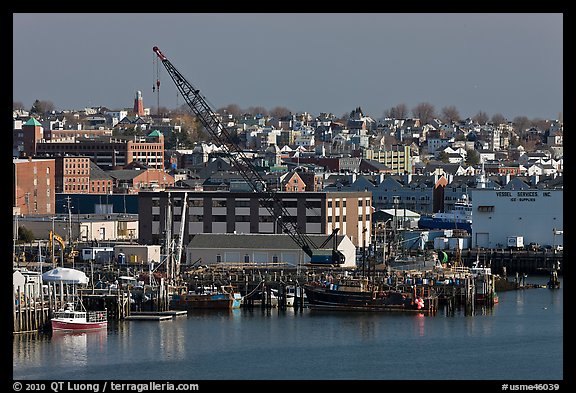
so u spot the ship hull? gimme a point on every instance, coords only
(77, 326)
(330, 299)
(433, 223)
(212, 301)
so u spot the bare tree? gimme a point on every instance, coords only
(450, 114)
(163, 110)
(521, 123)
(16, 105)
(498, 118)
(257, 110)
(425, 112)
(42, 106)
(541, 124)
(481, 117)
(399, 111)
(231, 109)
(279, 111)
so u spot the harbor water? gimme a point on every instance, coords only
(520, 338)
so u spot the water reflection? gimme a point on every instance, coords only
(420, 323)
(74, 347)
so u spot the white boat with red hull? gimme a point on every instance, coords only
(70, 319)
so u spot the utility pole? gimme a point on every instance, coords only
(396, 200)
(52, 243)
(364, 252)
(69, 220)
(14, 256)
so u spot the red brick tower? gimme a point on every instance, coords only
(138, 105)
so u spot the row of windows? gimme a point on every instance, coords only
(146, 147)
(35, 181)
(408, 198)
(244, 218)
(486, 209)
(36, 170)
(74, 165)
(76, 180)
(242, 203)
(77, 172)
(66, 147)
(246, 258)
(337, 204)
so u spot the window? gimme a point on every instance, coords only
(218, 258)
(485, 209)
(219, 203)
(246, 258)
(274, 258)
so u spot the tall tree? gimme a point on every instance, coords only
(498, 118)
(472, 157)
(191, 127)
(399, 111)
(41, 107)
(521, 123)
(232, 109)
(450, 114)
(443, 156)
(257, 110)
(425, 112)
(481, 117)
(279, 111)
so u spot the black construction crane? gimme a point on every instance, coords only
(269, 197)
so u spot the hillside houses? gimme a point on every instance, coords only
(126, 152)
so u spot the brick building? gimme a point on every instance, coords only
(241, 212)
(33, 192)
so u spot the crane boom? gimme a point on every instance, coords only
(269, 198)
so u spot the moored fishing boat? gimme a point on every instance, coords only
(207, 298)
(71, 319)
(484, 284)
(359, 295)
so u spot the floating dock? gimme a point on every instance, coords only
(155, 315)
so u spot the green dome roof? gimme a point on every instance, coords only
(33, 122)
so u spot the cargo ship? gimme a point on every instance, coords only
(460, 217)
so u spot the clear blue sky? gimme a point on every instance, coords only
(319, 62)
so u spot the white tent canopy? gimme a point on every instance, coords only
(65, 275)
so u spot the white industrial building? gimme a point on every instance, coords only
(535, 214)
(207, 249)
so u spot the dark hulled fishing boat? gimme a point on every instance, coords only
(358, 295)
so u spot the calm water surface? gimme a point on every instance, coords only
(521, 338)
